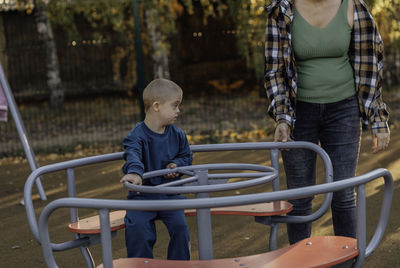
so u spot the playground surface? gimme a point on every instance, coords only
(232, 236)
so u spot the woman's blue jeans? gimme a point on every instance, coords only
(337, 127)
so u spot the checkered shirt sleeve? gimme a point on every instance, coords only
(366, 56)
(278, 91)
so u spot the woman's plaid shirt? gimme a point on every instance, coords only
(366, 58)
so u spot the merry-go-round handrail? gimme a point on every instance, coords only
(31, 216)
(104, 205)
(265, 175)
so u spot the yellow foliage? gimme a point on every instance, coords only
(176, 8)
(230, 136)
(223, 86)
(386, 14)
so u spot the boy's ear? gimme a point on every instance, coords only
(156, 106)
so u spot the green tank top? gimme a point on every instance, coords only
(324, 71)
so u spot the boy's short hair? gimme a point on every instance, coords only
(159, 89)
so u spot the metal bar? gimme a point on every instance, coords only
(275, 165)
(87, 256)
(204, 230)
(73, 212)
(106, 238)
(281, 145)
(179, 182)
(80, 242)
(273, 235)
(216, 176)
(361, 226)
(30, 211)
(201, 188)
(157, 205)
(384, 215)
(237, 175)
(233, 166)
(195, 148)
(273, 245)
(45, 237)
(23, 136)
(73, 215)
(256, 146)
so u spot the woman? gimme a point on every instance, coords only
(323, 62)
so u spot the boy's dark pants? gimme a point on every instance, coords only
(141, 234)
(337, 127)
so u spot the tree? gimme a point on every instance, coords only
(250, 20)
(52, 67)
(159, 19)
(387, 15)
(110, 22)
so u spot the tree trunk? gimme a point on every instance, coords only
(52, 66)
(3, 54)
(391, 67)
(160, 51)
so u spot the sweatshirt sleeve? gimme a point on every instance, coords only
(184, 157)
(133, 155)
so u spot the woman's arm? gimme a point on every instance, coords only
(366, 56)
(278, 93)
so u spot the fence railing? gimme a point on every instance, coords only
(105, 121)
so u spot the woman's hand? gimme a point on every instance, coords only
(282, 133)
(380, 141)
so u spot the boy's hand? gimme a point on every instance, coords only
(132, 178)
(171, 175)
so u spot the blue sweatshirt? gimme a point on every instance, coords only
(146, 151)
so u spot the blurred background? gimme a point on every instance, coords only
(76, 68)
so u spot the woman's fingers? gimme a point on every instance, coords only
(380, 142)
(282, 133)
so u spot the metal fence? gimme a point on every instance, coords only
(104, 121)
(221, 96)
(223, 100)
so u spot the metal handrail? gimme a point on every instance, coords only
(104, 205)
(31, 216)
(30, 211)
(266, 174)
(22, 133)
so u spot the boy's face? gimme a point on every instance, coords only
(169, 109)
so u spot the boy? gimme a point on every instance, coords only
(156, 144)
